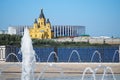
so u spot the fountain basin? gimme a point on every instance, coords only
(60, 71)
(16, 76)
(15, 67)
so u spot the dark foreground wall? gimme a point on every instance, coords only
(77, 54)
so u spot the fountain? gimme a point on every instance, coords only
(52, 54)
(48, 65)
(13, 55)
(37, 58)
(28, 57)
(88, 69)
(116, 52)
(105, 70)
(74, 51)
(10, 65)
(96, 52)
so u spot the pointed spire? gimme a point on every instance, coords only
(42, 14)
(35, 21)
(48, 21)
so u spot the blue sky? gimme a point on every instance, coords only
(101, 17)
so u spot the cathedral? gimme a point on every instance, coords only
(41, 28)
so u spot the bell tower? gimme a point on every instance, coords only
(35, 24)
(48, 24)
(41, 19)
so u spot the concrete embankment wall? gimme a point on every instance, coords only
(90, 40)
(60, 67)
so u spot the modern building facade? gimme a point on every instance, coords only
(16, 30)
(68, 30)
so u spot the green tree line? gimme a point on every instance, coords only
(15, 40)
(6, 39)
